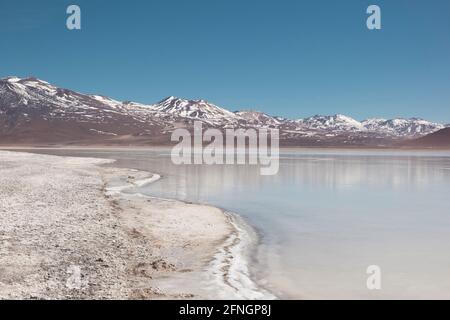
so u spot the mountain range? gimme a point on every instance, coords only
(33, 111)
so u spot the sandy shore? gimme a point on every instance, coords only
(72, 229)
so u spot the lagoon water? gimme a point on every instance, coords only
(326, 216)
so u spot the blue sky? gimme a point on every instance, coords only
(290, 58)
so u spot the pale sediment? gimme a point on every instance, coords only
(69, 231)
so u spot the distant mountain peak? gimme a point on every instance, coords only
(193, 109)
(28, 101)
(337, 122)
(168, 99)
(11, 79)
(250, 111)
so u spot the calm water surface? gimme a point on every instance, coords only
(327, 216)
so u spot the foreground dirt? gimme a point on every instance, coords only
(67, 233)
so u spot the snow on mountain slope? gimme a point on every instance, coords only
(337, 122)
(259, 118)
(33, 108)
(394, 127)
(40, 95)
(402, 127)
(29, 102)
(194, 109)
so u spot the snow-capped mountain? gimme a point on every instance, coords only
(402, 127)
(32, 110)
(32, 94)
(259, 119)
(393, 127)
(194, 109)
(337, 123)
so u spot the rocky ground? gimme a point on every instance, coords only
(66, 232)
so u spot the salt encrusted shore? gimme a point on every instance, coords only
(72, 229)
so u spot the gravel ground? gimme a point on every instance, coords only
(66, 234)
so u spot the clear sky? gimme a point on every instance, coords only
(290, 58)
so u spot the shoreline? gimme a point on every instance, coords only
(169, 249)
(156, 147)
(229, 266)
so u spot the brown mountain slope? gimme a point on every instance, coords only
(439, 139)
(35, 112)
